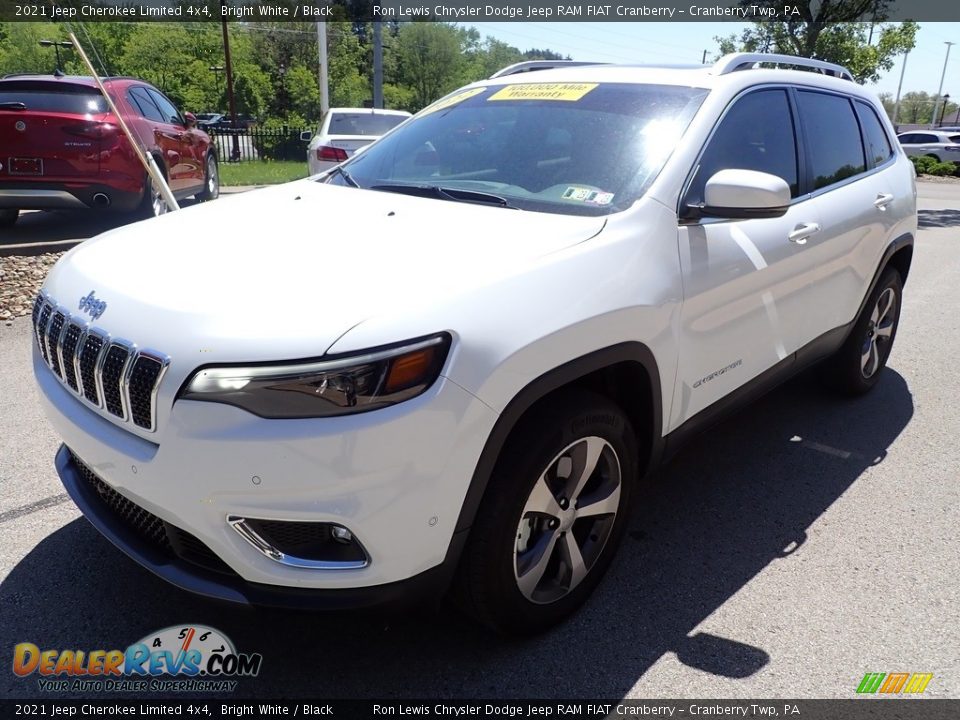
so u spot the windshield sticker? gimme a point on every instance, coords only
(570, 92)
(588, 196)
(451, 101)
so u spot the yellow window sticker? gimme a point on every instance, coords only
(451, 101)
(570, 92)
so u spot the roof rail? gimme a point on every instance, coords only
(531, 65)
(744, 61)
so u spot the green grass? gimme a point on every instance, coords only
(259, 172)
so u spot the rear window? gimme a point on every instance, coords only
(836, 153)
(363, 123)
(53, 97)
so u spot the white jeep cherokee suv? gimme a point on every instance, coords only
(450, 361)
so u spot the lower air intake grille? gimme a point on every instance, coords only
(161, 535)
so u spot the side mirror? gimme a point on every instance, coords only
(306, 136)
(745, 194)
(190, 119)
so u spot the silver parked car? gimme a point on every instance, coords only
(944, 146)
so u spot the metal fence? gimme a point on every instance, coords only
(254, 143)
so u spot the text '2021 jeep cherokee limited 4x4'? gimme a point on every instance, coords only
(518, 302)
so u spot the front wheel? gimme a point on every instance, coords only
(552, 516)
(8, 216)
(211, 181)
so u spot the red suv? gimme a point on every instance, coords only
(61, 147)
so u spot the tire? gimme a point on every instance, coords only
(857, 366)
(211, 181)
(8, 216)
(517, 574)
(152, 203)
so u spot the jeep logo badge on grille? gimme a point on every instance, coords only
(92, 306)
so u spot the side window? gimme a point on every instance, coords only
(140, 100)
(756, 134)
(170, 113)
(836, 151)
(878, 144)
(925, 139)
(907, 139)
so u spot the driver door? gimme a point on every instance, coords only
(742, 278)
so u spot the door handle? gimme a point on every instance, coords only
(883, 199)
(801, 233)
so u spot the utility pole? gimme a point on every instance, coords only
(704, 60)
(896, 106)
(377, 65)
(936, 107)
(228, 64)
(322, 51)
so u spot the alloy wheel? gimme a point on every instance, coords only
(567, 520)
(879, 333)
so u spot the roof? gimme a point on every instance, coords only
(70, 79)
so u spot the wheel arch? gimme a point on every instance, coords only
(626, 373)
(901, 257)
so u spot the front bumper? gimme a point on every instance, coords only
(231, 587)
(396, 478)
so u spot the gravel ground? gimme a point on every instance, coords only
(20, 280)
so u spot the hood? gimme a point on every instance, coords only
(282, 273)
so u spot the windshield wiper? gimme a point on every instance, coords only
(448, 193)
(13, 105)
(346, 176)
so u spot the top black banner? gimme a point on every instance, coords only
(456, 10)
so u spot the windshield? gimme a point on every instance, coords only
(363, 123)
(53, 97)
(572, 148)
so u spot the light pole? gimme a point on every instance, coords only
(896, 107)
(57, 44)
(216, 70)
(936, 107)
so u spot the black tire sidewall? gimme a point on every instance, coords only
(497, 601)
(205, 195)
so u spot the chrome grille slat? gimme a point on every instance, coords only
(93, 343)
(45, 314)
(68, 354)
(109, 373)
(112, 372)
(53, 341)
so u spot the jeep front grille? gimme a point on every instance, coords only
(109, 373)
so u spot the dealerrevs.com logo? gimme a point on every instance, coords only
(185, 658)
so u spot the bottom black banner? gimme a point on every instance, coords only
(853, 709)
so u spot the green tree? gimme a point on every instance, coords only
(20, 50)
(430, 58)
(849, 32)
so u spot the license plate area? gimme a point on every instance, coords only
(25, 166)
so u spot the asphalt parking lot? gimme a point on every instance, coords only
(803, 543)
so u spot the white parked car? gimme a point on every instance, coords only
(523, 301)
(937, 144)
(343, 131)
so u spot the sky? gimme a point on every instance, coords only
(684, 42)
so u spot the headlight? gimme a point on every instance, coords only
(339, 386)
